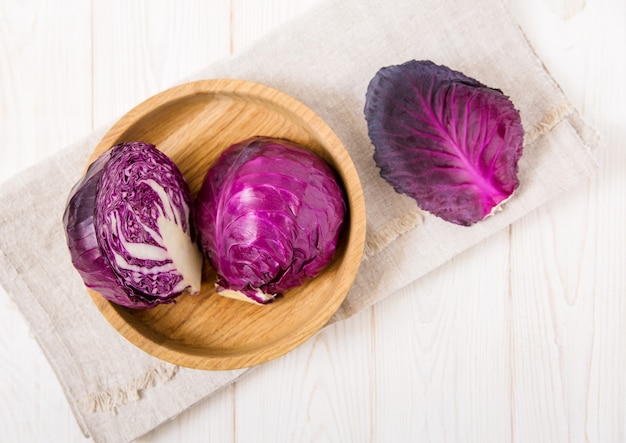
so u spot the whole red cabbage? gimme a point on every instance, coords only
(444, 139)
(269, 215)
(128, 228)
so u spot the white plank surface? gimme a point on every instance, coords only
(522, 338)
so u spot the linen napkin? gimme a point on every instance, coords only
(325, 58)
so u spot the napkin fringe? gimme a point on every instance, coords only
(377, 241)
(111, 399)
(548, 122)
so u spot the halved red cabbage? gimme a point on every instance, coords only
(269, 216)
(128, 228)
(444, 139)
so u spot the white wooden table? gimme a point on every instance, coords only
(522, 338)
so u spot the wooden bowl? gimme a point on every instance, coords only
(193, 123)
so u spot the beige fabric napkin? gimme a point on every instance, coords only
(326, 59)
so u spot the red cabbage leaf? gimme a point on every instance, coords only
(444, 139)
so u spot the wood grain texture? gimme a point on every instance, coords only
(45, 104)
(520, 339)
(451, 362)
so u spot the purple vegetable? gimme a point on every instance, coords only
(444, 139)
(127, 224)
(269, 216)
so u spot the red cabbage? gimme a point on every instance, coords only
(128, 228)
(269, 214)
(444, 139)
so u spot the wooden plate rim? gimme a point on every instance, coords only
(355, 239)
